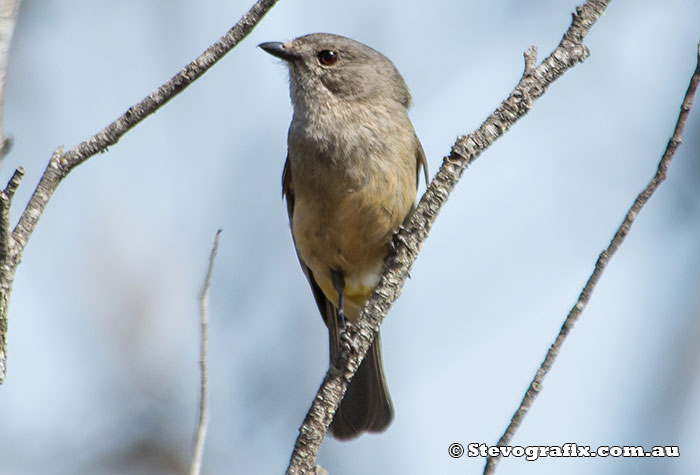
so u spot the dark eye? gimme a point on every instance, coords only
(327, 57)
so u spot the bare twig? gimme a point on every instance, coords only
(408, 240)
(62, 163)
(203, 420)
(8, 19)
(8, 261)
(603, 260)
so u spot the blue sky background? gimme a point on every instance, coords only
(103, 320)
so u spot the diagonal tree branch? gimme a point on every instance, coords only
(62, 163)
(600, 265)
(533, 83)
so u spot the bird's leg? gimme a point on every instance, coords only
(346, 328)
(396, 239)
(339, 285)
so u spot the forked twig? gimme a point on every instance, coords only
(603, 260)
(62, 163)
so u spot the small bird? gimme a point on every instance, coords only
(350, 180)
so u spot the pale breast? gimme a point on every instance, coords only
(353, 187)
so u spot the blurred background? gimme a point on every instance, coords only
(103, 342)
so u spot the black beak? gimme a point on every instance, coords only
(275, 48)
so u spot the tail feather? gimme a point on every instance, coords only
(366, 406)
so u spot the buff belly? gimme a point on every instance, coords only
(350, 232)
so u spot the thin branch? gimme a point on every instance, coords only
(603, 260)
(8, 262)
(201, 434)
(8, 19)
(111, 134)
(63, 163)
(408, 240)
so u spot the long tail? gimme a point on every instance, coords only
(366, 406)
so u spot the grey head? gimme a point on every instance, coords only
(324, 67)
